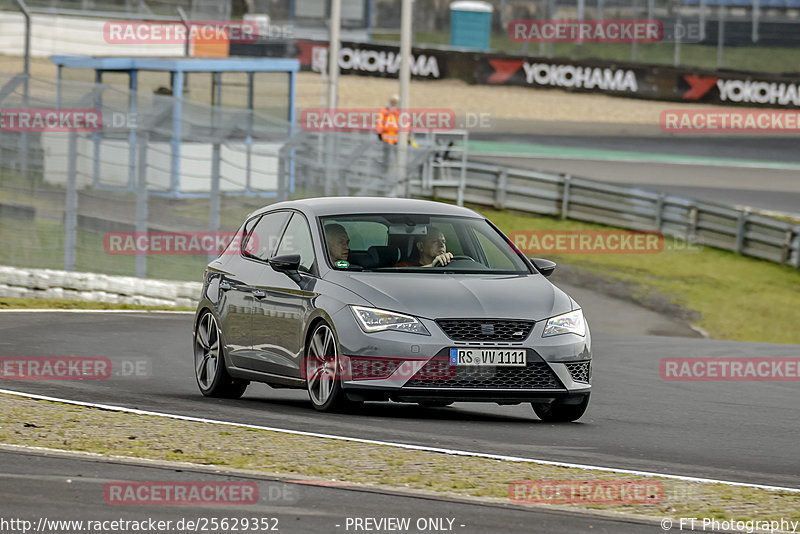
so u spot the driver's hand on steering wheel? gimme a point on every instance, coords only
(442, 259)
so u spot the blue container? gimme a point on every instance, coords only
(470, 24)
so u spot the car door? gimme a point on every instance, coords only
(238, 282)
(280, 312)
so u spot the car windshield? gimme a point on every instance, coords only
(418, 243)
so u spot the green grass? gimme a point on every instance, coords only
(64, 304)
(40, 243)
(738, 298)
(751, 58)
(52, 425)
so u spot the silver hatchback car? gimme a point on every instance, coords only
(362, 299)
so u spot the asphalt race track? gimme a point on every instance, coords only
(71, 488)
(738, 431)
(760, 172)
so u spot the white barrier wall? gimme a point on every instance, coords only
(195, 162)
(91, 287)
(54, 34)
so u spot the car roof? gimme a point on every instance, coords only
(323, 206)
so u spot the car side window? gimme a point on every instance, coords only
(297, 240)
(262, 240)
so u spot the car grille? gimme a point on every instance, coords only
(438, 373)
(485, 329)
(580, 371)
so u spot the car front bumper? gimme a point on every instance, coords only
(413, 367)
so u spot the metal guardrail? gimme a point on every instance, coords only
(447, 166)
(351, 163)
(587, 200)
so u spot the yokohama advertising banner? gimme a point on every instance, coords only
(372, 60)
(653, 82)
(642, 81)
(563, 74)
(741, 88)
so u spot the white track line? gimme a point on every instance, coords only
(59, 310)
(440, 450)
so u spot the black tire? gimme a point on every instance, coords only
(561, 412)
(210, 371)
(434, 404)
(323, 373)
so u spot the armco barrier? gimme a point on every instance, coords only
(91, 287)
(727, 228)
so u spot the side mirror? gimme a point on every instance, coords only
(546, 267)
(287, 264)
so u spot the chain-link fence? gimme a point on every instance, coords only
(81, 199)
(98, 178)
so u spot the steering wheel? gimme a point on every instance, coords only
(455, 259)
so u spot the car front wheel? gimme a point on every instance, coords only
(323, 371)
(562, 410)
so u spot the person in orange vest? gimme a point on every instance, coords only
(387, 122)
(387, 128)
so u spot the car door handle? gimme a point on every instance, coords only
(259, 294)
(224, 285)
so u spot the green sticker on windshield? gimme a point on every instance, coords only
(343, 264)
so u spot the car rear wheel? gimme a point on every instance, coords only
(209, 364)
(561, 411)
(323, 372)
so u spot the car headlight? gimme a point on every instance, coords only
(375, 320)
(567, 323)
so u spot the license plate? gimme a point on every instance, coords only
(487, 357)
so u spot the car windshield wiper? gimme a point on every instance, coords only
(405, 269)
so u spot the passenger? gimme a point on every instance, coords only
(432, 250)
(338, 243)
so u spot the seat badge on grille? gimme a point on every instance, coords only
(487, 329)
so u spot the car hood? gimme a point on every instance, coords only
(440, 295)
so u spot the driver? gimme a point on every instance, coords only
(432, 250)
(338, 242)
